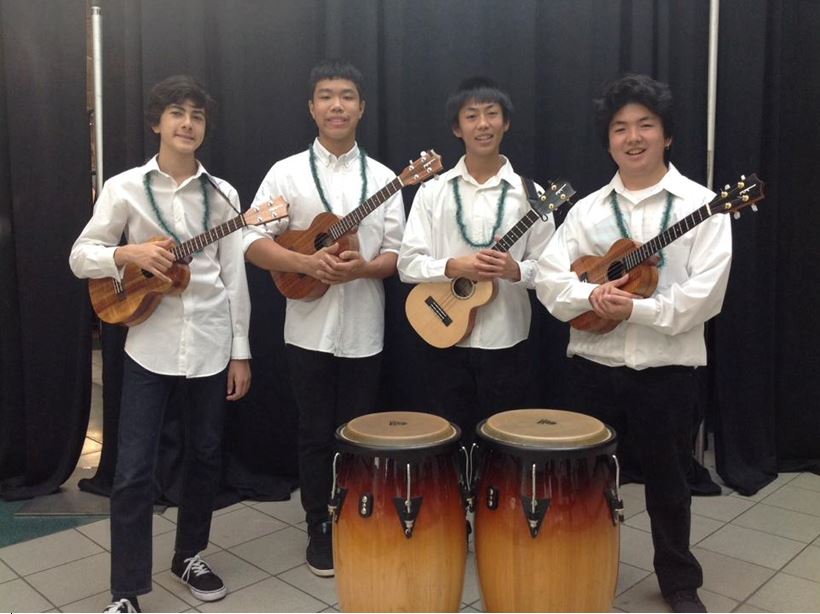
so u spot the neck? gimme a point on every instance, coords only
(180, 167)
(642, 181)
(337, 147)
(481, 168)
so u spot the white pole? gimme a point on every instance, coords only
(96, 36)
(711, 106)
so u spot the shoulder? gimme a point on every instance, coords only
(379, 170)
(225, 187)
(289, 165)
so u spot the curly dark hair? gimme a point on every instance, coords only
(631, 88)
(176, 90)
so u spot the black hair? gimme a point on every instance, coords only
(631, 88)
(176, 90)
(480, 89)
(336, 69)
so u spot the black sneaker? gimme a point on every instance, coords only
(123, 605)
(319, 553)
(685, 601)
(195, 573)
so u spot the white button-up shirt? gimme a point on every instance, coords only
(433, 236)
(666, 328)
(196, 333)
(348, 320)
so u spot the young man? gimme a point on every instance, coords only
(198, 339)
(450, 228)
(640, 377)
(334, 343)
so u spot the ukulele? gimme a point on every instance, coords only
(328, 228)
(628, 256)
(132, 299)
(443, 313)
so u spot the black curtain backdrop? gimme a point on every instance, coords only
(552, 57)
(45, 184)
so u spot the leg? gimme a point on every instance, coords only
(453, 387)
(144, 397)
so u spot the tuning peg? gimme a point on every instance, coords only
(743, 177)
(754, 208)
(727, 187)
(736, 215)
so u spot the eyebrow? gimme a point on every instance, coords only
(176, 105)
(330, 90)
(476, 107)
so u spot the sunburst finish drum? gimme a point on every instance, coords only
(399, 531)
(548, 512)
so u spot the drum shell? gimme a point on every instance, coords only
(571, 565)
(377, 567)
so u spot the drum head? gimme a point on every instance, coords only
(398, 430)
(545, 429)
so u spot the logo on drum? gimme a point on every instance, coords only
(397, 423)
(547, 421)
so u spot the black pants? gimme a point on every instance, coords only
(656, 406)
(469, 385)
(144, 399)
(329, 391)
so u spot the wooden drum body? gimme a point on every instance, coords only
(556, 551)
(399, 531)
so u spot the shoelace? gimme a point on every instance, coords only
(195, 565)
(123, 605)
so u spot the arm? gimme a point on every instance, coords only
(416, 263)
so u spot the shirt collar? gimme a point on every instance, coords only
(673, 182)
(329, 159)
(153, 165)
(505, 173)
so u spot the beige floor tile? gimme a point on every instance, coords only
(749, 608)
(171, 514)
(302, 578)
(163, 551)
(715, 602)
(780, 481)
(289, 511)
(271, 595)
(18, 596)
(700, 529)
(90, 446)
(477, 605)
(810, 481)
(806, 564)
(629, 576)
(731, 577)
(786, 593)
(49, 551)
(231, 508)
(636, 548)
(720, 508)
(797, 499)
(469, 608)
(235, 572)
(779, 521)
(472, 589)
(276, 552)
(242, 525)
(633, 498)
(158, 600)
(752, 546)
(645, 596)
(6, 573)
(73, 581)
(100, 531)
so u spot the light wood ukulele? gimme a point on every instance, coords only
(327, 229)
(627, 256)
(443, 313)
(132, 299)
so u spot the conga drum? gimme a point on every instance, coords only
(547, 512)
(399, 530)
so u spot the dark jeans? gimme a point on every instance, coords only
(656, 406)
(469, 385)
(329, 391)
(144, 399)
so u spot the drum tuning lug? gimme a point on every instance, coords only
(534, 516)
(492, 497)
(334, 508)
(408, 510)
(616, 507)
(366, 505)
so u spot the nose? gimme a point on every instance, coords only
(186, 120)
(336, 103)
(482, 120)
(633, 134)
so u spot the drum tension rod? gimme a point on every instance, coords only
(408, 509)
(613, 496)
(337, 495)
(535, 509)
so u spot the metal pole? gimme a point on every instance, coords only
(96, 36)
(711, 106)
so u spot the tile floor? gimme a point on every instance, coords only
(759, 554)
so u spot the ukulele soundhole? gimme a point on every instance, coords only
(616, 270)
(323, 240)
(463, 287)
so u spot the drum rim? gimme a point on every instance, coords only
(523, 450)
(414, 450)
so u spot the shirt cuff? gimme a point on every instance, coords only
(644, 311)
(527, 270)
(240, 348)
(434, 270)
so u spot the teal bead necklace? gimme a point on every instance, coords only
(619, 217)
(206, 215)
(498, 217)
(362, 171)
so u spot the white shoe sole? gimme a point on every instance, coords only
(322, 573)
(204, 595)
